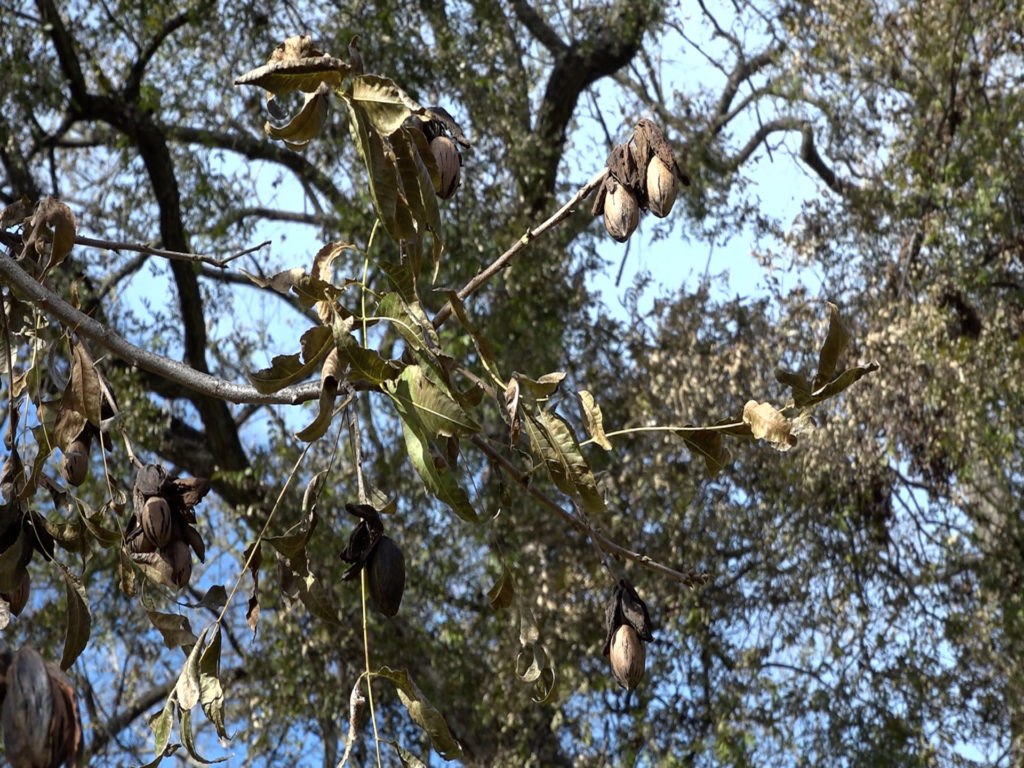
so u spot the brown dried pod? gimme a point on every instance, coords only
(75, 464)
(385, 574)
(191, 537)
(27, 711)
(18, 597)
(661, 187)
(449, 165)
(179, 559)
(621, 211)
(140, 544)
(156, 521)
(628, 657)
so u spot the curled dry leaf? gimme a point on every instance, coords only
(767, 423)
(18, 597)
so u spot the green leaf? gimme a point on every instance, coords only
(842, 381)
(292, 543)
(383, 173)
(188, 738)
(304, 74)
(407, 758)
(363, 364)
(161, 725)
(419, 189)
(436, 409)
(554, 443)
(543, 387)
(423, 712)
(79, 619)
(386, 105)
(436, 476)
(593, 419)
(285, 370)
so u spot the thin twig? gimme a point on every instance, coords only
(531, 234)
(112, 245)
(689, 579)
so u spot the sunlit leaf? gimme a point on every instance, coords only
(383, 173)
(386, 105)
(437, 410)
(187, 689)
(188, 738)
(84, 388)
(842, 381)
(361, 363)
(555, 444)
(298, 74)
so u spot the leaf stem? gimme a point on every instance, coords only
(369, 675)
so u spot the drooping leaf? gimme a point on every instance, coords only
(835, 343)
(503, 592)
(423, 713)
(330, 377)
(187, 689)
(480, 340)
(767, 423)
(799, 384)
(437, 478)
(188, 739)
(843, 380)
(84, 388)
(382, 171)
(554, 443)
(211, 693)
(386, 105)
(407, 758)
(79, 619)
(289, 369)
(418, 188)
(593, 419)
(436, 409)
(253, 555)
(52, 221)
(409, 319)
(161, 725)
(175, 629)
(292, 543)
(707, 443)
(543, 387)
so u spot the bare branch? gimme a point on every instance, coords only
(537, 27)
(112, 245)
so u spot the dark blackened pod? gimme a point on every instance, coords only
(449, 165)
(27, 711)
(385, 575)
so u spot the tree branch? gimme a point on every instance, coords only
(199, 382)
(539, 28)
(499, 263)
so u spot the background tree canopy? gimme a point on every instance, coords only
(853, 600)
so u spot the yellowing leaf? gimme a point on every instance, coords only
(288, 369)
(593, 419)
(306, 124)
